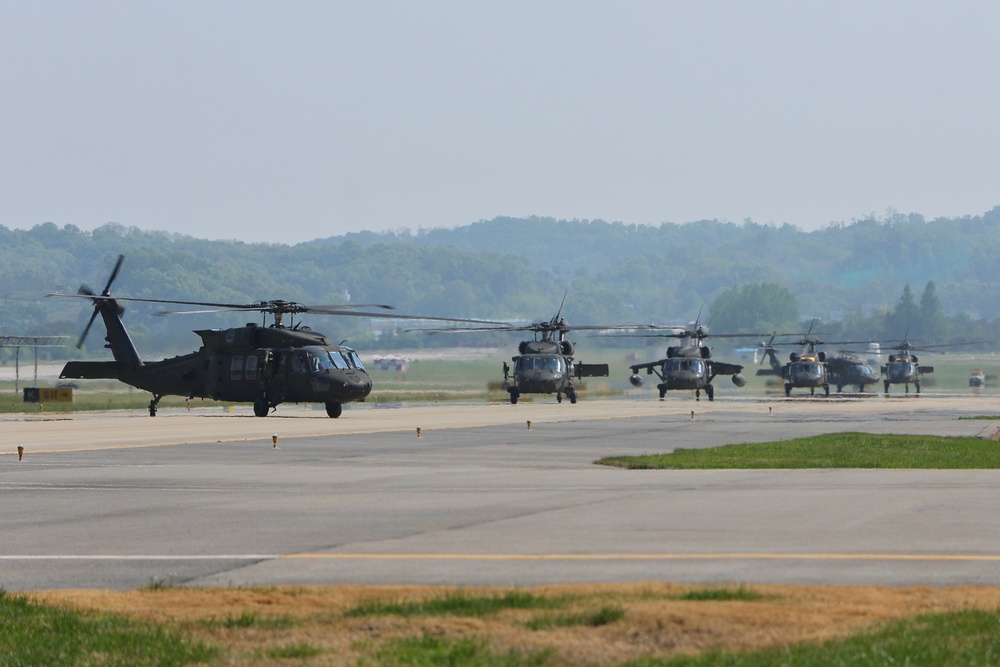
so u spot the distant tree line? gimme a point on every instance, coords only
(858, 278)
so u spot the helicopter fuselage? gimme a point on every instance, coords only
(541, 373)
(807, 372)
(904, 369)
(688, 368)
(547, 367)
(845, 371)
(251, 364)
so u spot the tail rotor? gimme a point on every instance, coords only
(85, 290)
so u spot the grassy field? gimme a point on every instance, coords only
(597, 625)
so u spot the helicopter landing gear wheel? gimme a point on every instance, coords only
(558, 398)
(917, 385)
(826, 389)
(261, 407)
(334, 409)
(571, 393)
(514, 393)
(663, 392)
(710, 392)
(152, 405)
(886, 387)
(788, 389)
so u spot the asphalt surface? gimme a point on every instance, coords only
(206, 497)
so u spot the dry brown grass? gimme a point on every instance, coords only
(653, 623)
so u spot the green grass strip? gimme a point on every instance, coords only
(967, 638)
(34, 634)
(456, 604)
(431, 650)
(591, 619)
(837, 450)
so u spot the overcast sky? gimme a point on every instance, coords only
(288, 121)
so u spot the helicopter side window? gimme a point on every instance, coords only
(251, 367)
(314, 363)
(355, 360)
(236, 368)
(299, 362)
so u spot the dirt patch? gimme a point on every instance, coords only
(654, 622)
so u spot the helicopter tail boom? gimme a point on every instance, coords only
(591, 370)
(91, 370)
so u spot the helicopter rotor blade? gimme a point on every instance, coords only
(114, 275)
(86, 329)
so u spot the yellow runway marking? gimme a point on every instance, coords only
(585, 557)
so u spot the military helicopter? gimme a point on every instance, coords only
(263, 365)
(545, 365)
(903, 368)
(846, 368)
(810, 368)
(689, 365)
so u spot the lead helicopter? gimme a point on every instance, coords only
(546, 364)
(263, 365)
(689, 366)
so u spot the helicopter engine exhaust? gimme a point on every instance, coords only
(739, 380)
(636, 380)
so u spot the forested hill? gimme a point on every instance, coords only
(865, 263)
(504, 268)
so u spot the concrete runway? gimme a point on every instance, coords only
(202, 497)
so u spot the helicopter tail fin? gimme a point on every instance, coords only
(91, 370)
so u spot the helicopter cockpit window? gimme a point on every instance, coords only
(355, 360)
(694, 365)
(549, 362)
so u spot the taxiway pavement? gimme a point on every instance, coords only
(122, 500)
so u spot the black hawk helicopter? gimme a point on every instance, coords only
(812, 369)
(903, 368)
(545, 365)
(847, 368)
(263, 365)
(689, 365)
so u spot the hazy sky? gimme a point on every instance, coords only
(287, 121)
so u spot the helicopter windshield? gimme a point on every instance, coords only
(811, 367)
(542, 362)
(682, 364)
(321, 359)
